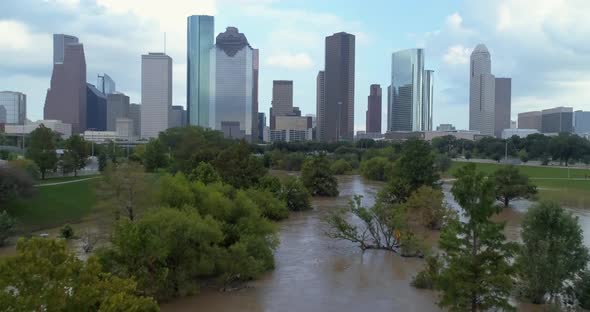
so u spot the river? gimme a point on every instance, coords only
(316, 273)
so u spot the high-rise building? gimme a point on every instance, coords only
(255, 68)
(135, 115)
(373, 118)
(96, 109)
(582, 122)
(282, 100)
(60, 41)
(411, 93)
(156, 93)
(106, 84)
(200, 34)
(177, 117)
(389, 109)
(320, 106)
(530, 120)
(2, 117)
(14, 107)
(117, 107)
(232, 85)
(556, 120)
(339, 87)
(503, 97)
(482, 92)
(66, 96)
(261, 126)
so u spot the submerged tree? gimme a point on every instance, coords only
(318, 177)
(511, 185)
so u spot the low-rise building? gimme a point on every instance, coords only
(445, 127)
(63, 129)
(521, 133)
(470, 135)
(124, 133)
(290, 135)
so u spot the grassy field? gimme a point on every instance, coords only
(532, 172)
(64, 179)
(54, 205)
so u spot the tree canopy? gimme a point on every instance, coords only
(41, 149)
(511, 184)
(318, 177)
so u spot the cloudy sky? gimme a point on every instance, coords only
(542, 44)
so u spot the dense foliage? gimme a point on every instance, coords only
(376, 168)
(41, 149)
(318, 178)
(295, 195)
(14, 183)
(511, 185)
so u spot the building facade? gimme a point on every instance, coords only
(255, 69)
(261, 125)
(14, 108)
(481, 92)
(582, 122)
(503, 98)
(320, 106)
(521, 133)
(135, 115)
(374, 106)
(178, 117)
(106, 84)
(66, 96)
(427, 100)
(200, 35)
(156, 93)
(339, 88)
(117, 107)
(96, 109)
(282, 100)
(445, 127)
(530, 120)
(556, 120)
(64, 130)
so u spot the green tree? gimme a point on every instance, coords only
(205, 173)
(442, 163)
(416, 164)
(41, 149)
(376, 168)
(271, 183)
(294, 193)
(6, 224)
(566, 147)
(553, 251)
(44, 276)
(582, 289)
(478, 275)
(14, 183)
(76, 153)
(238, 167)
(102, 162)
(340, 167)
(154, 156)
(511, 185)
(318, 178)
(427, 208)
(27, 166)
(270, 206)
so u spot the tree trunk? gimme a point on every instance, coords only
(42, 174)
(506, 201)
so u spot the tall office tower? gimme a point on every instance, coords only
(321, 106)
(200, 33)
(389, 109)
(282, 100)
(106, 84)
(373, 119)
(582, 122)
(261, 126)
(60, 41)
(482, 94)
(407, 110)
(503, 97)
(530, 120)
(117, 107)
(556, 120)
(232, 85)
(177, 116)
(255, 67)
(427, 100)
(156, 93)
(66, 96)
(135, 115)
(96, 109)
(14, 106)
(339, 87)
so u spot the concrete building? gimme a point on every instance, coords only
(255, 69)
(513, 124)
(530, 120)
(178, 117)
(282, 100)
(156, 93)
(556, 120)
(374, 109)
(14, 107)
(117, 107)
(231, 130)
(96, 109)
(521, 133)
(261, 125)
(428, 100)
(63, 129)
(482, 94)
(293, 122)
(320, 106)
(232, 93)
(503, 98)
(66, 96)
(338, 88)
(135, 115)
(291, 135)
(582, 123)
(445, 127)
(458, 134)
(200, 35)
(106, 84)
(123, 133)
(360, 135)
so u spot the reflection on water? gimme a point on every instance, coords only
(315, 273)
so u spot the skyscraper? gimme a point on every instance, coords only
(530, 120)
(232, 83)
(156, 93)
(200, 33)
(135, 115)
(582, 122)
(339, 87)
(117, 107)
(177, 117)
(558, 119)
(261, 125)
(503, 98)
(96, 109)
(14, 106)
(106, 84)
(255, 67)
(66, 96)
(282, 100)
(411, 94)
(373, 119)
(482, 94)
(320, 106)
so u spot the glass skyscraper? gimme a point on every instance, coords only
(106, 84)
(14, 107)
(200, 33)
(410, 99)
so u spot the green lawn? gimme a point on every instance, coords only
(532, 172)
(54, 205)
(64, 179)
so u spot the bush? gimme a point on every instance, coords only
(14, 183)
(294, 193)
(426, 279)
(318, 177)
(582, 289)
(340, 166)
(270, 207)
(67, 232)
(376, 168)
(27, 166)
(6, 224)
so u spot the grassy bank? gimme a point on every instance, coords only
(65, 179)
(531, 171)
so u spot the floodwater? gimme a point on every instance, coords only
(316, 273)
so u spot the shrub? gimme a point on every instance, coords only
(294, 193)
(27, 166)
(6, 224)
(67, 232)
(426, 279)
(340, 166)
(376, 168)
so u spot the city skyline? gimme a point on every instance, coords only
(28, 68)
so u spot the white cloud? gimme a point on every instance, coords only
(457, 54)
(15, 35)
(297, 61)
(454, 21)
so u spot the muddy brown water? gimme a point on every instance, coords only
(316, 273)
